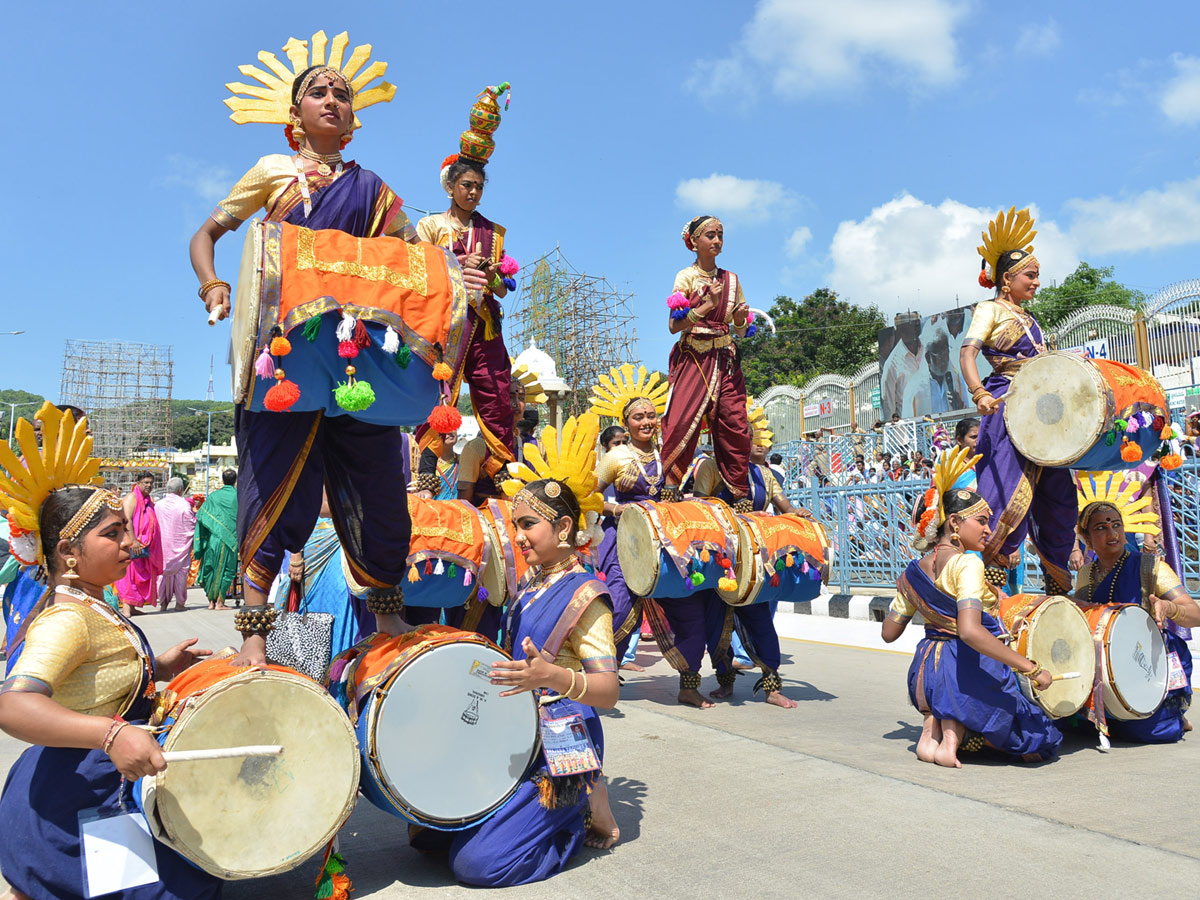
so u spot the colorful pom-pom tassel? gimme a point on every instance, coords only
(333, 883)
(403, 355)
(282, 396)
(1130, 452)
(413, 575)
(705, 556)
(439, 568)
(510, 284)
(354, 397)
(789, 560)
(779, 564)
(452, 571)
(429, 567)
(482, 596)
(1166, 433)
(1171, 461)
(391, 340)
(467, 578)
(751, 331)
(775, 580)
(280, 346)
(442, 372)
(508, 265)
(1133, 426)
(264, 366)
(1110, 439)
(730, 584)
(804, 567)
(345, 328)
(347, 349)
(445, 419)
(697, 578)
(312, 328)
(361, 337)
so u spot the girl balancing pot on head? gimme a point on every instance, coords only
(80, 676)
(559, 632)
(707, 310)
(962, 677)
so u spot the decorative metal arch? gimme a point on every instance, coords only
(824, 383)
(779, 391)
(1089, 314)
(1172, 294)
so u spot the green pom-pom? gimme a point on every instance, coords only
(697, 578)
(312, 328)
(403, 355)
(779, 564)
(1110, 439)
(1120, 425)
(354, 397)
(452, 571)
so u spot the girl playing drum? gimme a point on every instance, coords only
(962, 676)
(80, 675)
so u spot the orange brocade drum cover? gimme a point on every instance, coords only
(675, 549)
(453, 546)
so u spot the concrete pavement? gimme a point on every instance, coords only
(827, 800)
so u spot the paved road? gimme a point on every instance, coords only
(827, 800)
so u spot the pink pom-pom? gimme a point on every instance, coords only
(678, 301)
(467, 578)
(601, 575)
(347, 349)
(750, 317)
(508, 266)
(264, 366)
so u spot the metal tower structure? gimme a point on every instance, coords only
(583, 322)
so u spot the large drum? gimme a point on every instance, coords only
(253, 816)
(301, 281)
(1133, 663)
(1062, 410)
(779, 558)
(673, 549)
(1052, 631)
(440, 746)
(506, 568)
(451, 551)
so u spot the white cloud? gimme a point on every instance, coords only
(1155, 218)
(798, 241)
(1180, 100)
(805, 46)
(739, 199)
(908, 254)
(210, 183)
(1039, 40)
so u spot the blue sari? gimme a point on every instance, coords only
(527, 840)
(951, 680)
(1134, 582)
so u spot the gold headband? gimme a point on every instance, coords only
(323, 70)
(979, 507)
(1023, 262)
(100, 497)
(629, 407)
(539, 506)
(689, 232)
(1085, 516)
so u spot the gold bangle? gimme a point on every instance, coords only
(210, 284)
(1174, 614)
(567, 692)
(583, 675)
(977, 390)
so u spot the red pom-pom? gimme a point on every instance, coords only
(449, 160)
(445, 419)
(775, 580)
(1158, 423)
(360, 334)
(282, 396)
(292, 142)
(347, 349)
(984, 281)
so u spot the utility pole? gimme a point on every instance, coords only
(208, 442)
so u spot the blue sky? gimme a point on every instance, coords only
(859, 145)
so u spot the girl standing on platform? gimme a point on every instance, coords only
(707, 310)
(962, 675)
(82, 677)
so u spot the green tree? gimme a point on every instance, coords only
(190, 431)
(1088, 285)
(27, 405)
(819, 335)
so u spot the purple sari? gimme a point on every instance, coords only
(1026, 499)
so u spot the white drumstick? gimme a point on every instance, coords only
(214, 316)
(223, 753)
(1064, 676)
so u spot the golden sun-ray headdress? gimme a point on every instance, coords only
(269, 101)
(534, 392)
(1011, 234)
(617, 390)
(1098, 489)
(64, 459)
(760, 426)
(950, 466)
(572, 464)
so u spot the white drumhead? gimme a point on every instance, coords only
(1055, 408)
(749, 567)
(447, 744)
(638, 551)
(494, 575)
(244, 818)
(1060, 639)
(1137, 661)
(243, 334)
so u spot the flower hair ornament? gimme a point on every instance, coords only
(270, 101)
(950, 466)
(63, 460)
(571, 465)
(1098, 489)
(693, 226)
(1010, 234)
(760, 426)
(616, 392)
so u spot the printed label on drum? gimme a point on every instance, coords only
(1143, 661)
(1176, 677)
(470, 715)
(568, 746)
(480, 670)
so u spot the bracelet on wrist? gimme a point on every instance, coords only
(210, 284)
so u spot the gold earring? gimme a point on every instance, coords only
(562, 540)
(954, 538)
(71, 573)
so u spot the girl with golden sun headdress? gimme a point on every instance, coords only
(1008, 336)
(963, 676)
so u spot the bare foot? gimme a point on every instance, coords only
(691, 697)
(946, 753)
(632, 667)
(1187, 726)
(776, 698)
(722, 693)
(14, 894)
(603, 832)
(740, 666)
(931, 736)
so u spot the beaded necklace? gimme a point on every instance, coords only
(1116, 570)
(639, 458)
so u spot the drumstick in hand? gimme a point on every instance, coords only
(214, 316)
(1064, 676)
(223, 753)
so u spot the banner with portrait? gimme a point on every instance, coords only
(919, 373)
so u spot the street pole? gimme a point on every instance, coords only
(208, 442)
(12, 415)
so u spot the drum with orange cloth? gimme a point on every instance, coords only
(1055, 634)
(1066, 410)
(507, 567)
(249, 817)
(779, 558)
(440, 746)
(673, 549)
(452, 548)
(402, 311)
(1132, 666)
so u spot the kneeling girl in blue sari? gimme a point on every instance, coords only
(962, 676)
(559, 632)
(1121, 576)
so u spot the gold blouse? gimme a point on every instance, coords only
(590, 646)
(962, 577)
(997, 325)
(88, 662)
(709, 482)
(441, 229)
(1160, 580)
(689, 282)
(622, 467)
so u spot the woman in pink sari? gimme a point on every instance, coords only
(139, 587)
